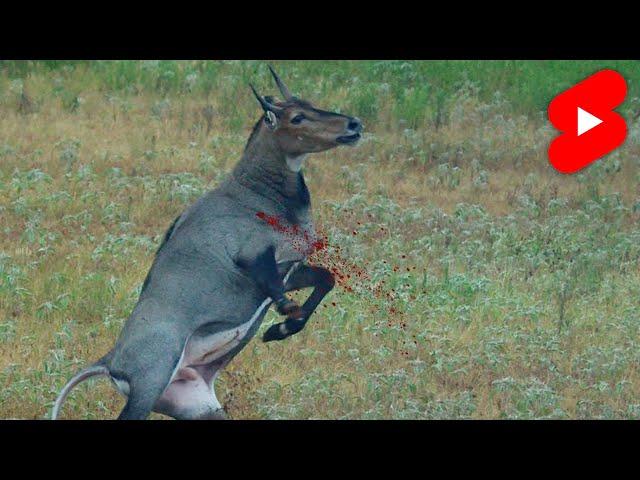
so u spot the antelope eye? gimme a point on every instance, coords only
(298, 119)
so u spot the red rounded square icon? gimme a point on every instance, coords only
(585, 114)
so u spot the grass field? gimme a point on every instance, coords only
(494, 287)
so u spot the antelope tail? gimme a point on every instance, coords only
(91, 371)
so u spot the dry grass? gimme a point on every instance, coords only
(475, 252)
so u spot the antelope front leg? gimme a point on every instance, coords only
(264, 271)
(303, 277)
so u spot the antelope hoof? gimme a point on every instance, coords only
(275, 332)
(282, 330)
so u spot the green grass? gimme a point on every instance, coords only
(416, 87)
(484, 284)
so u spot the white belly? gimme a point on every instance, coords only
(190, 393)
(202, 350)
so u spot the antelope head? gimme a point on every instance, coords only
(299, 128)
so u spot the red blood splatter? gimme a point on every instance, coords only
(301, 241)
(319, 245)
(273, 221)
(315, 246)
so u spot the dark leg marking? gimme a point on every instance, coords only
(264, 271)
(303, 277)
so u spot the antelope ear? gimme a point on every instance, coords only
(266, 106)
(271, 120)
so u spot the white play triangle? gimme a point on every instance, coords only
(586, 121)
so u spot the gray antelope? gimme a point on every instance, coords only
(221, 265)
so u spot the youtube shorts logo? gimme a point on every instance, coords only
(584, 113)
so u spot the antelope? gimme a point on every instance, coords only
(221, 265)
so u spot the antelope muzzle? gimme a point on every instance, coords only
(352, 133)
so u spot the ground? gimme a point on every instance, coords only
(477, 281)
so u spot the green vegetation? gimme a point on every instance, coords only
(417, 90)
(510, 291)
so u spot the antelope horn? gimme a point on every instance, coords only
(283, 88)
(266, 106)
